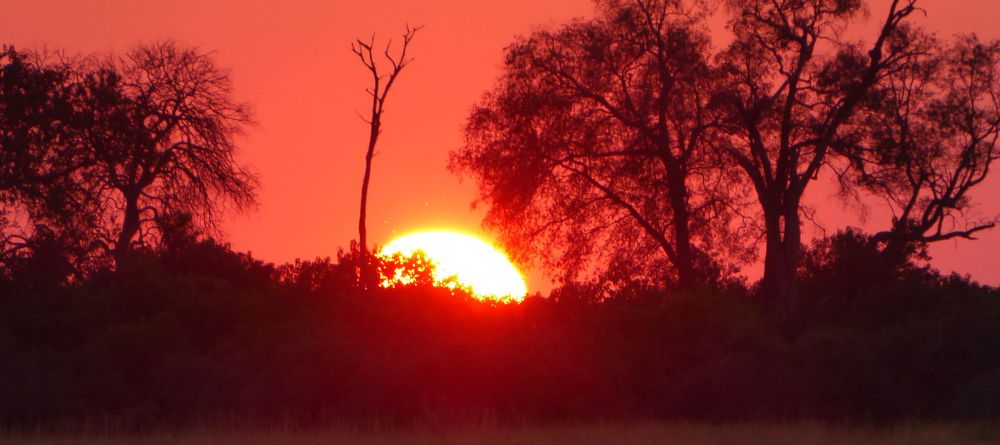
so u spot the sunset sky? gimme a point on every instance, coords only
(292, 61)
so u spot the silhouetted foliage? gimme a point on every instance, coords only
(613, 142)
(192, 332)
(39, 124)
(792, 85)
(45, 106)
(596, 148)
(930, 138)
(95, 151)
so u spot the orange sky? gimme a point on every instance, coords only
(292, 60)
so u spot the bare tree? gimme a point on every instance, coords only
(164, 143)
(382, 82)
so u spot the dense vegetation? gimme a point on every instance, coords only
(195, 332)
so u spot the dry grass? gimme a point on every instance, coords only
(640, 433)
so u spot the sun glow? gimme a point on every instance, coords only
(473, 262)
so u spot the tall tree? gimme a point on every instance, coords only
(164, 142)
(593, 152)
(794, 85)
(382, 82)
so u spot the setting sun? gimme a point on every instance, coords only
(472, 261)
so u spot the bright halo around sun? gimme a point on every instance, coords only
(473, 262)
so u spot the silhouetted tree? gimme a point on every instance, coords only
(36, 119)
(163, 142)
(793, 86)
(379, 91)
(930, 137)
(596, 148)
(44, 107)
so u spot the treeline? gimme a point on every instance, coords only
(193, 332)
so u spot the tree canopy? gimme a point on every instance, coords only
(627, 142)
(596, 148)
(98, 149)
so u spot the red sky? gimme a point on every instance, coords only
(292, 61)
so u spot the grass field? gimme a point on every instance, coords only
(645, 433)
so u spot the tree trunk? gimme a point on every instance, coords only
(792, 249)
(686, 274)
(781, 258)
(366, 277)
(774, 259)
(130, 226)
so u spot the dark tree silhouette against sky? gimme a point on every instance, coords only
(617, 138)
(782, 120)
(164, 143)
(46, 108)
(929, 137)
(595, 149)
(382, 81)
